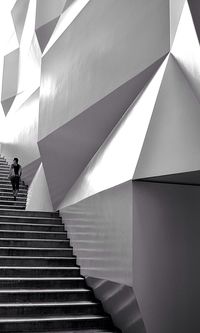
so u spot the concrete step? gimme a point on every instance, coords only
(14, 207)
(45, 295)
(33, 252)
(8, 189)
(32, 214)
(32, 234)
(31, 227)
(21, 271)
(19, 217)
(19, 198)
(44, 243)
(42, 282)
(10, 203)
(55, 323)
(6, 194)
(37, 261)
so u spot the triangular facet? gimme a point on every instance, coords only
(47, 11)
(19, 12)
(176, 7)
(186, 50)
(172, 141)
(195, 10)
(115, 161)
(44, 33)
(6, 104)
(80, 138)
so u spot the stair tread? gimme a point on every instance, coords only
(35, 248)
(79, 317)
(35, 232)
(22, 291)
(31, 224)
(39, 267)
(35, 239)
(32, 304)
(29, 217)
(41, 278)
(30, 257)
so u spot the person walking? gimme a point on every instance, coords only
(15, 175)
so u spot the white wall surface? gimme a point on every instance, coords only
(101, 233)
(20, 132)
(38, 195)
(107, 44)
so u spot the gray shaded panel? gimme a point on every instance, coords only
(120, 302)
(70, 148)
(10, 75)
(19, 12)
(195, 11)
(47, 11)
(44, 33)
(100, 229)
(68, 4)
(6, 104)
(190, 178)
(176, 7)
(166, 247)
(30, 170)
(105, 46)
(172, 141)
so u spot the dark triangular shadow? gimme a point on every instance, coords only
(45, 31)
(6, 104)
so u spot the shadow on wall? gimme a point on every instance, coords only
(120, 302)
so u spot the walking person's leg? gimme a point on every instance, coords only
(16, 185)
(13, 184)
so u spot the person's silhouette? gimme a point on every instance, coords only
(14, 176)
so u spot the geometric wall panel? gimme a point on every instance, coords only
(195, 11)
(115, 161)
(6, 104)
(19, 12)
(10, 75)
(47, 11)
(44, 32)
(95, 56)
(172, 145)
(176, 7)
(186, 50)
(80, 138)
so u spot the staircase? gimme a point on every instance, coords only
(41, 288)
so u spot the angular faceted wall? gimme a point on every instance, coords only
(100, 101)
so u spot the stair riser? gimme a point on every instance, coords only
(10, 198)
(33, 243)
(36, 253)
(34, 312)
(10, 204)
(41, 284)
(24, 227)
(38, 262)
(9, 194)
(11, 272)
(19, 219)
(38, 214)
(14, 207)
(55, 325)
(32, 235)
(45, 297)
(8, 188)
